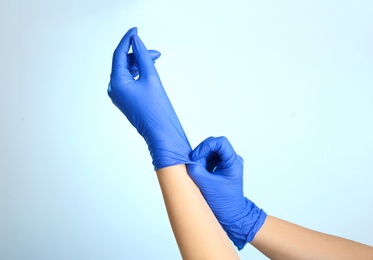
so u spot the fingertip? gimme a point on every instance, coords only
(154, 54)
(129, 35)
(195, 169)
(194, 155)
(134, 29)
(157, 54)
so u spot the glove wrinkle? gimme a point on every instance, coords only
(223, 189)
(145, 102)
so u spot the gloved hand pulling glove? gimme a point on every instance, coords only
(218, 173)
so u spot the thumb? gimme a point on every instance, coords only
(198, 173)
(132, 63)
(144, 60)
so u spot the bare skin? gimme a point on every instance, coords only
(197, 232)
(279, 239)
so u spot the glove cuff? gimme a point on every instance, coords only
(244, 230)
(169, 153)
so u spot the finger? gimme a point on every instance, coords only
(143, 58)
(198, 153)
(214, 150)
(120, 62)
(132, 60)
(132, 64)
(154, 54)
(198, 173)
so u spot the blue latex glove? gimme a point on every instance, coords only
(145, 103)
(218, 173)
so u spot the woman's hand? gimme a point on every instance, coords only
(145, 103)
(218, 173)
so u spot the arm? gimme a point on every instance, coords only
(197, 232)
(279, 239)
(146, 105)
(221, 168)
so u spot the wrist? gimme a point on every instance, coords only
(244, 229)
(170, 153)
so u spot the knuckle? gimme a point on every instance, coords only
(223, 139)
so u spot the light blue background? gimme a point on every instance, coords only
(290, 83)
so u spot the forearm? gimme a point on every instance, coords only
(279, 239)
(146, 105)
(197, 232)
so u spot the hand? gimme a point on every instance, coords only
(145, 103)
(218, 172)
